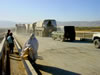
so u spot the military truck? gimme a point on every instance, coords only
(96, 39)
(20, 28)
(45, 27)
(64, 33)
(40, 28)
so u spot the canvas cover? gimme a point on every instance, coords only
(44, 23)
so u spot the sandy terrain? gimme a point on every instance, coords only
(66, 58)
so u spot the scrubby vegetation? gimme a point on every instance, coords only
(93, 29)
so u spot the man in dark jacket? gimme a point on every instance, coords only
(10, 40)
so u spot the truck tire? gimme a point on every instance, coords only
(97, 43)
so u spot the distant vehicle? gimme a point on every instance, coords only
(44, 27)
(40, 28)
(96, 40)
(64, 33)
(20, 28)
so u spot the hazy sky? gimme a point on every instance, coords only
(61, 10)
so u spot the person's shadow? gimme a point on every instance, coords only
(55, 70)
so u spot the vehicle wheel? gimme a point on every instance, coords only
(97, 43)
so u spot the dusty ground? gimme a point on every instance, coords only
(66, 58)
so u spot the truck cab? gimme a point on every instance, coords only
(96, 39)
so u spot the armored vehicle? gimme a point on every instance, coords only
(64, 33)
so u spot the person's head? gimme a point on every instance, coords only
(11, 34)
(9, 30)
(32, 36)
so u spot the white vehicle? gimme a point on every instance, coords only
(44, 27)
(40, 28)
(20, 28)
(96, 40)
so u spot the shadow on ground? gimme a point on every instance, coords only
(54, 70)
(14, 56)
(80, 41)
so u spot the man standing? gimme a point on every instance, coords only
(8, 33)
(10, 40)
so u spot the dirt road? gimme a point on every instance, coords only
(66, 58)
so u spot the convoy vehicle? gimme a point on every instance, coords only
(45, 27)
(64, 33)
(96, 39)
(20, 28)
(40, 28)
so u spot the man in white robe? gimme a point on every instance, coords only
(30, 48)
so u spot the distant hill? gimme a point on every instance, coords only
(6, 24)
(79, 23)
